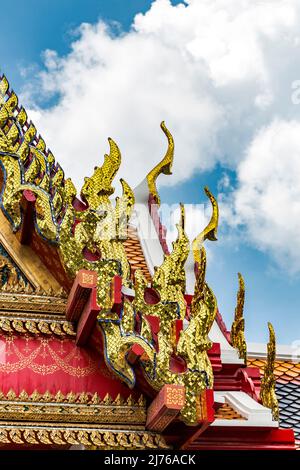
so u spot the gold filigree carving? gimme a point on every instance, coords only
(238, 326)
(90, 437)
(267, 391)
(74, 408)
(37, 327)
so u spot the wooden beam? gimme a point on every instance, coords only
(165, 407)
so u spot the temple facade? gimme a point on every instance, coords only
(108, 339)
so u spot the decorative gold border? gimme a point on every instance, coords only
(72, 397)
(33, 326)
(39, 302)
(73, 408)
(24, 433)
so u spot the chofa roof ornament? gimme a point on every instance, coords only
(164, 166)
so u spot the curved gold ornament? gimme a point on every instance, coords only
(210, 231)
(164, 166)
(267, 391)
(238, 326)
(100, 229)
(97, 188)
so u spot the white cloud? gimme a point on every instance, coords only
(267, 201)
(218, 72)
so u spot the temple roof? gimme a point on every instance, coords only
(92, 299)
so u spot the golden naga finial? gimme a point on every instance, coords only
(267, 391)
(97, 188)
(210, 231)
(164, 166)
(238, 325)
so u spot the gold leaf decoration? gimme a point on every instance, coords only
(210, 231)
(164, 166)
(238, 326)
(29, 437)
(267, 391)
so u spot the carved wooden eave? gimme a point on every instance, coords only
(26, 259)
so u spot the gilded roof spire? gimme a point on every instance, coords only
(267, 391)
(238, 325)
(210, 231)
(164, 166)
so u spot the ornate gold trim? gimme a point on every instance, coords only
(72, 397)
(72, 408)
(39, 302)
(22, 326)
(21, 433)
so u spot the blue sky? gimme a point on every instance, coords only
(223, 92)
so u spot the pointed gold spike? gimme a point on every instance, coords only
(107, 400)
(83, 398)
(35, 396)
(23, 396)
(59, 397)
(118, 401)
(142, 401)
(95, 400)
(47, 396)
(71, 397)
(11, 395)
